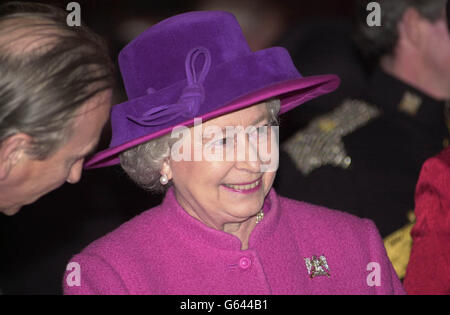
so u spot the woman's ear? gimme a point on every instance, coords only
(166, 169)
(11, 151)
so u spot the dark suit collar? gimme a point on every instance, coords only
(393, 96)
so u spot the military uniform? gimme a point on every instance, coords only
(364, 157)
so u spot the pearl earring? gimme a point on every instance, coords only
(163, 179)
(259, 216)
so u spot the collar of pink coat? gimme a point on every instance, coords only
(197, 233)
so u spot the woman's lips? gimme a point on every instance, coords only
(244, 188)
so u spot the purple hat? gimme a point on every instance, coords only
(198, 65)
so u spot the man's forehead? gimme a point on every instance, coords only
(89, 121)
(93, 114)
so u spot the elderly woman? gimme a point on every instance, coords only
(200, 125)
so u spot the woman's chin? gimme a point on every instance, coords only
(245, 208)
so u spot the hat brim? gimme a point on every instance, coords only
(291, 93)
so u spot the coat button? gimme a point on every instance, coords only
(245, 262)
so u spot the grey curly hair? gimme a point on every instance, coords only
(143, 163)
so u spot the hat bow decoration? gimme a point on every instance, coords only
(191, 98)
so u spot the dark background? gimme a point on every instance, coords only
(36, 244)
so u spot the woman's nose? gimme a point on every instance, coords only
(259, 154)
(247, 155)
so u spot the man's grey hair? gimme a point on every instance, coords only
(378, 41)
(144, 162)
(48, 70)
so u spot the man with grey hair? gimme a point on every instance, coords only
(412, 44)
(55, 98)
(365, 156)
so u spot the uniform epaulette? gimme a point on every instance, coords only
(321, 142)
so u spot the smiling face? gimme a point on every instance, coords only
(223, 190)
(30, 179)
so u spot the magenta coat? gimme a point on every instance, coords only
(166, 251)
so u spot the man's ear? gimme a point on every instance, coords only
(12, 149)
(411, 28)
